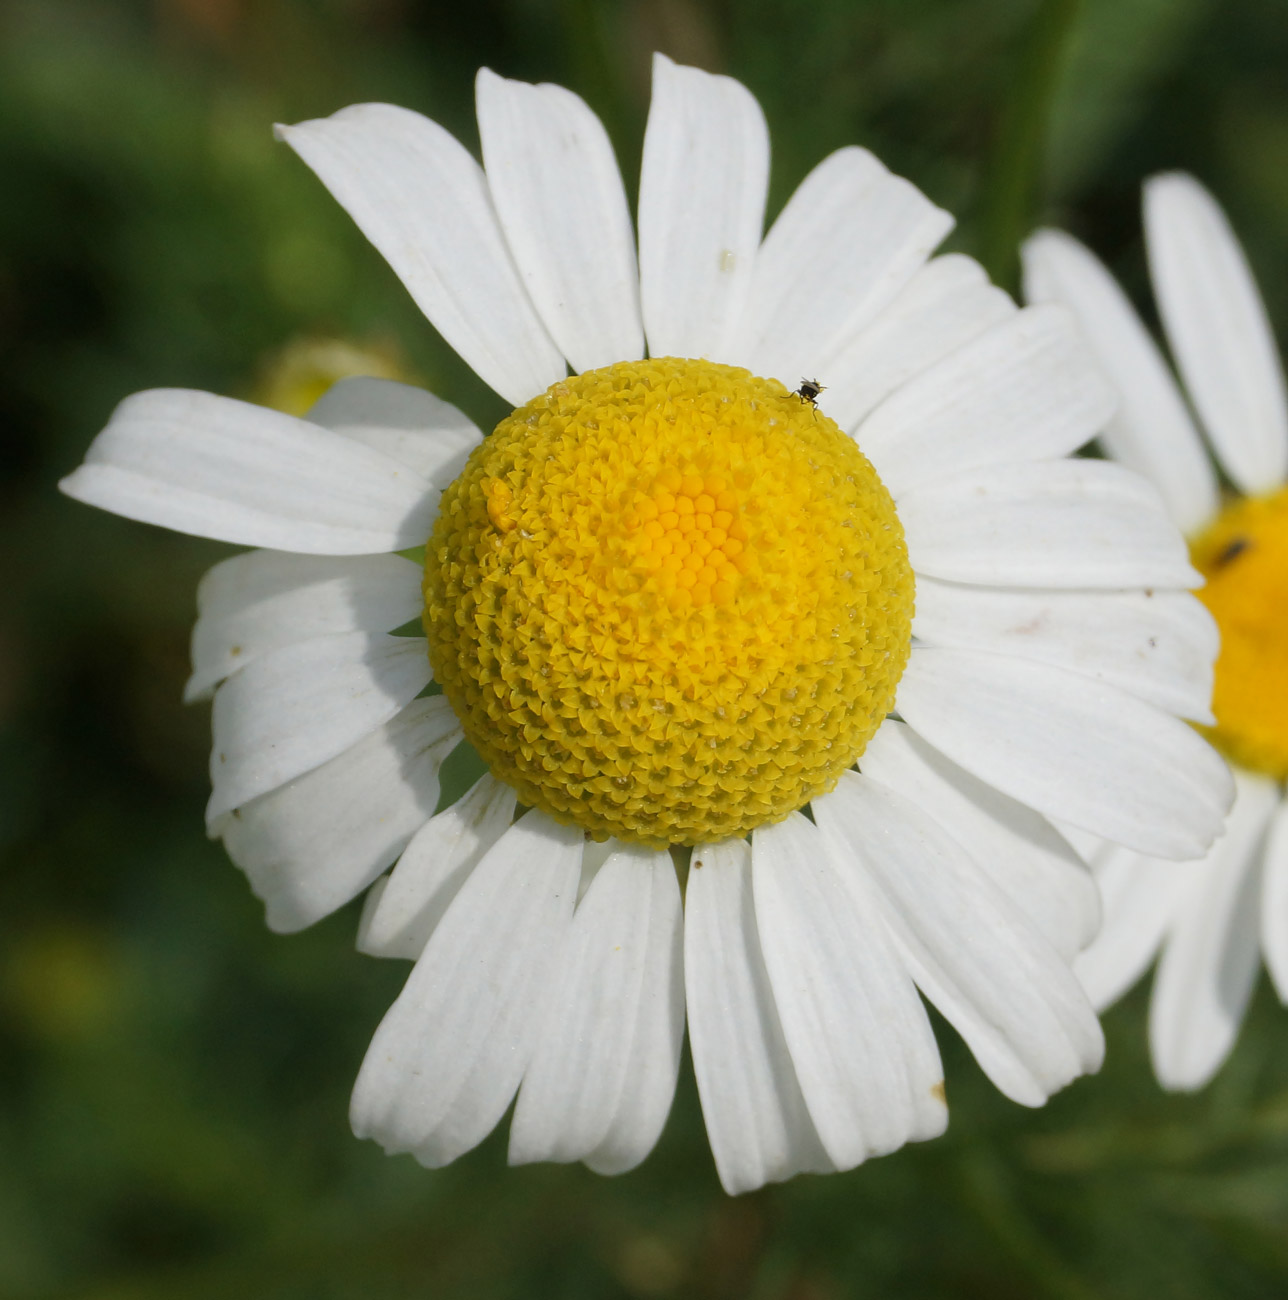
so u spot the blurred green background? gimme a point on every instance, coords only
(174, 1079)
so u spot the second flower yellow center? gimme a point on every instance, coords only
(1243, 555)
(668, 601)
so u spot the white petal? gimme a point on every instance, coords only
(608, 1052)
(294, 708)
(702, 205)
(432, 869)
(239, 473)
(858, 1034)
(1024, 390)
(759, 1128)
(1218, 329)
(1019, 849)
(1140, 897)
(1159, 646)
(559, 197)
(407, 424)
(1064, 523)
(1070, 748)
(1274, 902)
(1151, 431)
(1092, 849)
(448, 1056)
(973, 953)
(423, 202)
(1209, 962)
(848, 240)
(264, 600)
(311, 846)
(948, 302)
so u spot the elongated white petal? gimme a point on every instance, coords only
(449, 1054)
(848, 240)
(408, 424)
(1219, 331)
(604, 1067)
(294, 708)
(974, 954)
(757, 1123)
(1274, 902)
(946, 304)
(1018, 848)
(1151, 431)
(1070, 747)
(311, 846)
(1210, 959)
(1140, 896)
(1064, 523)
(1024, 390)
(858, 1034)
(560, 201)
(264, 600)
(1158, 645)
(419, 197)
(399, 920)
(239, 473)
(702, 205)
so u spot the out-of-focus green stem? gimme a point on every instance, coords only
(597, 75)
(1011, 195)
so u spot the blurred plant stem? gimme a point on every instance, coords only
(1011, 190)
(990, 1191)
(596, 73)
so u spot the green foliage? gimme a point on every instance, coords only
(175, 1078)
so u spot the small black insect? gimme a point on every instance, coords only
(809, 391)
(1232, 552)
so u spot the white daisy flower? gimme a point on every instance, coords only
(1207, 920)
(671, 603)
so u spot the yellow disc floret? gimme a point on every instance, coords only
(668, 601)
(1244, 557)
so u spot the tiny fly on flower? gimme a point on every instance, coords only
(809, 391)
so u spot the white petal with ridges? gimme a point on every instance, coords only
(407, 424)
(1274, 902)
(759, 1128)
(1140, 896)
(1064, 523)
(400, 919)
(1210, 958)
(559, 197)
(311, 846)
(974, 954)
(1024, 390)
(419, 197)
(1070, 747)
(294, 708)
(1018, 848)
(264, 600)
(449, 1054)
(946, 304)
(858, 1034)
(702, 206)
(607, 1054)
(1151, 431)
(848, 240)
(1219, 331)
(225, 469)
(1159, 646)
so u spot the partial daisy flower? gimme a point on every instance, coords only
(296, 376)
(670, 603)
(1208, 920)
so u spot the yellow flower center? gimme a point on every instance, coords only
(669, 601)
(1243, 555)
